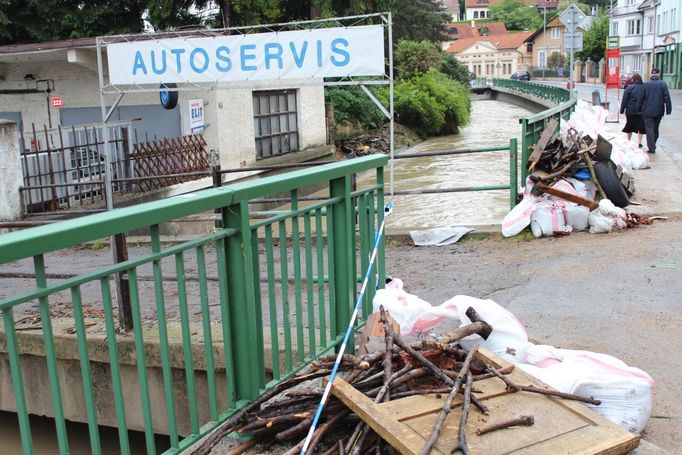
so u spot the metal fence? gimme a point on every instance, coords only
(244, 307)
(63, 167)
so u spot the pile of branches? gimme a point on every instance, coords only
(561, 158)
(429, 366)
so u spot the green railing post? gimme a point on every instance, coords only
(513, 172)
(341, 229)
(525, 153)
(241, 303)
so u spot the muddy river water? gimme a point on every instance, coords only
(493, 123)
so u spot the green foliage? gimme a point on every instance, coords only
(416, 57)
(432, 104)
(49, 20)
(353, 106)
(455, 69)
(584, 7)
(516, 15)
(556, 60)
(594, 40)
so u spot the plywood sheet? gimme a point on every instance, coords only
(561, 426)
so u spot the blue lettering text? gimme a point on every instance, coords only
(193, 63)
(299, 57)
(162, 69)
(139, 64)
(273, 51)
(345, 56)
(222, 54)
(177, 53)
(319, 53)
(243, 57)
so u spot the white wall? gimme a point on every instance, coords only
(10, 172)
(480, 11)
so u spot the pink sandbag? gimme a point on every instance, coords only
(417, 317)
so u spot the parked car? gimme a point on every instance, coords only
(625, 79)
(521, 76)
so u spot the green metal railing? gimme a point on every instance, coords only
(545, 92)
(533, 125)
(512, 148)
(248, 305)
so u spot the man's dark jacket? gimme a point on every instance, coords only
(631, 99)
(656, 97)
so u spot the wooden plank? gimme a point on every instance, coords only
(546, 135)
(397, 434)
(567, 196)
(418, 405)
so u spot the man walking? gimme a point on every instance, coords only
(654, 102)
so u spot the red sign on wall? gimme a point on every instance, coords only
(612, 68)
(56, 102)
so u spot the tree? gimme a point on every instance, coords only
(416, 57)
(516, 15)
(594, 40)
(556, 60)
(455, 69)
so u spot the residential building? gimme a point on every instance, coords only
(480, 9)
(477, 9)
(627, 22)
(470, 29)
(452, 8)
(498, 55)
(545, 41)
(649, 39)
(668, 50)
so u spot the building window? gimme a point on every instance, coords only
(614, 28)
(275, 123)
(650, 24)
(658, 24)
(542, 58)
(475, 14)
(633, 27)
(554, 32)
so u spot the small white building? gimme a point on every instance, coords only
(47, 85)
(498, 55)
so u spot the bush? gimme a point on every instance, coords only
(432, 104)
(416, 57)
(452, 67)
(548, 73)
(353, 106)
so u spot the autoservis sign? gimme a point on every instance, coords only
(328, 52)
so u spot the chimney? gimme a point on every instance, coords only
(473, 23)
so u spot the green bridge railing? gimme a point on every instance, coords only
(533, 125)
(260, 298)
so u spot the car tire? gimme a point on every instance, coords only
(610, 183)
(168, 98)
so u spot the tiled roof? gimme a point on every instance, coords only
(460, 30)
(509, 40)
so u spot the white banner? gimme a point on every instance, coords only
(328, 52)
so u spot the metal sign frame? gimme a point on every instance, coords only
(571, 17)
(119, 91)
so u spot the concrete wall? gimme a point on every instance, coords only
(10, 172)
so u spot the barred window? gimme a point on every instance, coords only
(275, 123)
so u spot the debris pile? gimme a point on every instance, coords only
(578, 179)
(279, 420)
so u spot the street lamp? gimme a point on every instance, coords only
(544, 38)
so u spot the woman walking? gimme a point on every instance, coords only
(630, 107)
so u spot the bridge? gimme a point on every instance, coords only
(217, 319)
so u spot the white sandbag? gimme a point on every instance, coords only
(577, 216)
(579, 187)
(625, 392)
(417, 317)
(606, 217)
(508, 338)
(548, 219)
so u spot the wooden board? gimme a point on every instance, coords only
(546, 135)
(561, 426)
